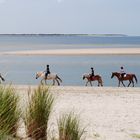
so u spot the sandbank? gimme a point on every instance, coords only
(95, 51)
(107, 113)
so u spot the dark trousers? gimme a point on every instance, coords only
(46, 74)
(92, 75)
(122, 75)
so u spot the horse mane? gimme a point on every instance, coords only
(115, 72)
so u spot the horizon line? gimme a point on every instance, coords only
(63, 34)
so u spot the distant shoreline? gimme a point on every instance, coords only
(95, 51)
(40, 34)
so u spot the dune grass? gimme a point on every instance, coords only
(69, 127)
(38, 112)
(136, 136)
(9, 112)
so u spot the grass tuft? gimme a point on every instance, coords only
(38, 112)
(69, 127)
(9, 112)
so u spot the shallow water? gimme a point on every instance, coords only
(21, 69)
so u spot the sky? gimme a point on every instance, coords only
(70, 17)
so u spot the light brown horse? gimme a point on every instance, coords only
(128, 77)
(51, 76)
(94, 78)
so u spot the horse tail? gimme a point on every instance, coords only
(2, 78)
(135, 78)
(59, 78)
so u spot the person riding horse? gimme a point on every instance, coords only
(122, 72)
(92, 73)
(47, 71)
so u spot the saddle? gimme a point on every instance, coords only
(92, 77)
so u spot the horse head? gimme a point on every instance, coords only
(85, 76)
(112, 75)
(38, 74)
(115, 74)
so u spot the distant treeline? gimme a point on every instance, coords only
(96, 35)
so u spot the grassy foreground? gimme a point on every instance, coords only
(36, 116)
(9, 112)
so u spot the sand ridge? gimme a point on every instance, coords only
(95, 51)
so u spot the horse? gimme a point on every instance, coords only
(2, 79)
(51, 76)
(129, 77)
(94, 78)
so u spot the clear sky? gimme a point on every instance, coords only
(70, 16)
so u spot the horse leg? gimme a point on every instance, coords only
(101, 82)
(133, 83)
(129, 83)
(119, 84)
(45, 82)
(91, 83)
(41, 82)
(86, 83)
(98, 83)
(53, 82)
(123, 83)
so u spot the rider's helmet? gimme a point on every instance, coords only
(92, 68)
(121, 67)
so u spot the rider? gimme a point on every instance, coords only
(47, 71)
(122, 72)
(92, 72)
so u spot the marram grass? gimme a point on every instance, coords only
(69, 127)
(9, 112)
(38, 112)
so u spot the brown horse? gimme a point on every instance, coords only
(94, 78)
(128, 77)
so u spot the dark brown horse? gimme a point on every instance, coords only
(128, 77)
(94, 78)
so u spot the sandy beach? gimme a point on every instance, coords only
(108, 113)
(95, 51)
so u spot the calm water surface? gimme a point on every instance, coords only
(21, 69)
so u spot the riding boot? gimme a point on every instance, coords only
(46, 75)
